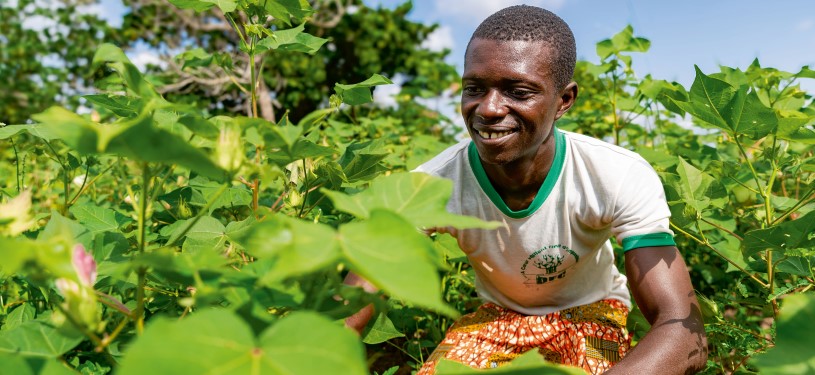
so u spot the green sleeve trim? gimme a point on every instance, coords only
(543, 192)
(648, 240)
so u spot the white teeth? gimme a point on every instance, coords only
(486, 135)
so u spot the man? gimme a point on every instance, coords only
(548, 276)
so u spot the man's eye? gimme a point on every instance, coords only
(520, 93)
(472, 90)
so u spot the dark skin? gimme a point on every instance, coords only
(510, 103)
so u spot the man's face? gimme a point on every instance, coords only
(509, 99)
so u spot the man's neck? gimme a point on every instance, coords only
(518, 182)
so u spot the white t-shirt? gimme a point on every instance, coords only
(556, 253)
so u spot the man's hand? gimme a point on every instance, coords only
(360, 319)
(676, 343)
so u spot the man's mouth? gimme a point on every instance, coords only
(494, 135)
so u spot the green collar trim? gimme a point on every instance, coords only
(545, 189)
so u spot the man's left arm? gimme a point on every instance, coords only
(676, 343)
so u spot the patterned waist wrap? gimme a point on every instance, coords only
(591, 336)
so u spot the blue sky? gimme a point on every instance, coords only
(781, 34)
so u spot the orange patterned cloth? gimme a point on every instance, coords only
(591, 336)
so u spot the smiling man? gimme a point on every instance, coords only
(548, 276)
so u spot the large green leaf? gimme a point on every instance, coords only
(37, 338)
(732, 109)
(420, 198)
(99, 219)
(360, 93)
(119, 105)
(113, 57)
(142, 140)
(390, 253)
(218, 342)
(789, 235)
(307, 343)
(18, 316)
(793, 352)
(296, 247)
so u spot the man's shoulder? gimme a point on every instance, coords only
(450, 157)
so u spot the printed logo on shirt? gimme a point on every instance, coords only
(548, 264)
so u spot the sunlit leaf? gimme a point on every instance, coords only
(418, 197)
(217, 341)
(789, 235)
(360, 93)
(792, 353)
(390, 253)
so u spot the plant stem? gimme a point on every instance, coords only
(809, 198)
(749, 163)
(142, 228)
(717, 226)
(709, 246)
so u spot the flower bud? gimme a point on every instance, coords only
(229, 149)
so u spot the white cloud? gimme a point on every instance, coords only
(480, 9)
(142, 58)
(384, 95)
(112, 11)
(805, 25)
(440, 39)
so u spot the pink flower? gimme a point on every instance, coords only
(84, 265)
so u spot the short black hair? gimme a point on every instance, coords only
(529, 23)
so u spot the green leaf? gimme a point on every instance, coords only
(291, 40)
(226, 6)
(218, 342)
(296, 247)
(789, 235)
(360, 93)
(18, 316)
(420, 198)
(624, 41)
(196, 5)
(792, 353)
(382, 330)
(285, 10)
(99, 219)
(529, 363)
(142, 140)
(362, 161)
(113, 56)
(119, 105)
(307, 343)
(14, 364)
(698, 189)
(285, 144)
(390, 253)
(37, 339)
(734, 110)
(195, 58)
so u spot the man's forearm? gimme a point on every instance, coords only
(670, 347)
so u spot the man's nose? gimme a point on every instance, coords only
(492, 105)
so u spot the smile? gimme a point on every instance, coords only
(494, 135)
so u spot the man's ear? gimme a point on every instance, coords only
(567, 97)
